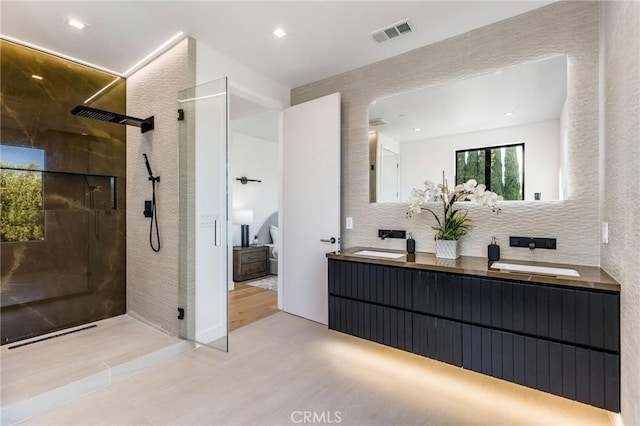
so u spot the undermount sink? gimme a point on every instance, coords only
(543, 270)
(384, 254)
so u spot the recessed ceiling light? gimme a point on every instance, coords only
(73, 22)
(508, 113)
(279, 32)
(417, 129)
(36, 77)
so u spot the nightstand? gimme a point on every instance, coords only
(250, 262)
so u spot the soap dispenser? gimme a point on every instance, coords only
(411, 249)
(411, 244)
(494, 250)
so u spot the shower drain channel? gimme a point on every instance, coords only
(52, 337)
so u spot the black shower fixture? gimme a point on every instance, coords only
(151, 208)
(112, 117)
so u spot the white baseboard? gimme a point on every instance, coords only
(210, 334)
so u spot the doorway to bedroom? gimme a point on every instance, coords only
(254, 185)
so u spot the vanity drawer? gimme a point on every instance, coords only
(585, 375)
(584, 317)
(383, 285)
(381, 324)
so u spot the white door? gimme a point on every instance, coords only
(310, 204)
(389, 179)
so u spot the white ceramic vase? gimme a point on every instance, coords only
(448, 249)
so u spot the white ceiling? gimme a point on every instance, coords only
(534, 92)
(324, 37)
(252, 119)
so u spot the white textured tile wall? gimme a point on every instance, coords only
(563, 27)
(621, 257)
(152, 278)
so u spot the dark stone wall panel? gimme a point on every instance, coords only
(77, 274)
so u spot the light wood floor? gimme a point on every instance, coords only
(249, 304)
(282, 366)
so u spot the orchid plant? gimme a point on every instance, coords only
(454, 224)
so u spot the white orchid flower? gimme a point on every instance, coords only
(470, 185)
(435, 193)
(428, 185)
(470, 190)
(418, 193)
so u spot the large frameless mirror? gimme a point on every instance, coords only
(506, 129)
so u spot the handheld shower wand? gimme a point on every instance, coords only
(154, 208)
(151, 176)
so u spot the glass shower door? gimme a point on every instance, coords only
(203, 123)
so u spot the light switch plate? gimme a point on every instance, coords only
(349, 223)
(605, 232)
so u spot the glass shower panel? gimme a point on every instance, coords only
(57, 230)
(203, 213)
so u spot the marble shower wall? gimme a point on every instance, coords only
(77, 273)
(563, 27)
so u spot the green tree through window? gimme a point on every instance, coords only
(497, 184)
(500, 168)
(21, 204)
(512, 185)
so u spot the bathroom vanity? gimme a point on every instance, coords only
(556, 334)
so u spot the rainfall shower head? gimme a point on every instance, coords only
(112, 117)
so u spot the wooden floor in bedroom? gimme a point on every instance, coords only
(249, 304)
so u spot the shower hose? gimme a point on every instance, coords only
(154, 217)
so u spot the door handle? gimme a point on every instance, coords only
(217, 231)
(330, 240)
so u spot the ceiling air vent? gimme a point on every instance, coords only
(395, 30)
(377, 122)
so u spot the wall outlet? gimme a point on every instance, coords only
(605, 232)
(349, 224)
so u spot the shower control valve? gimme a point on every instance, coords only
(148, 212)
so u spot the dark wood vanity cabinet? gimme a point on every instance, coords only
(561, 340)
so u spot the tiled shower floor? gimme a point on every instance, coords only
(38, 377)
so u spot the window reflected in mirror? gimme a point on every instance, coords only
(499, 168)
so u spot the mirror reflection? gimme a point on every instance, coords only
(506, 129)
